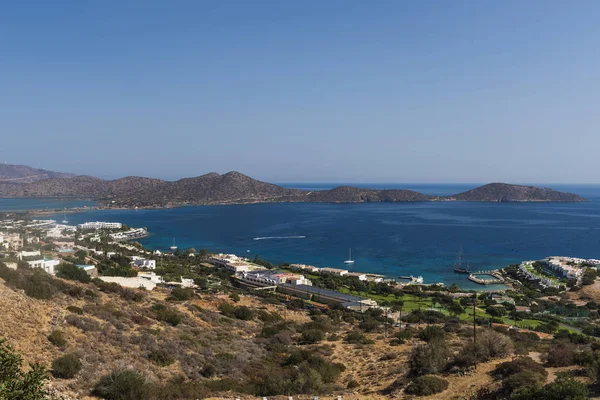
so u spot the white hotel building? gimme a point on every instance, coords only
(100, 225)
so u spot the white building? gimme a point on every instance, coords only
(359, 275)
(12, 241)
(152, 277)
(304, 267)
(47, 264)
(143, 263)
(563, 266)
(100, 225)
(274, 278)
(28, 254)
(231, 262)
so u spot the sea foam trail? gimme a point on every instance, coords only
(278, 237)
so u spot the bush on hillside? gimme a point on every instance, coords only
(75, 310)
(426, 385)
(497, 344)
(561, 355)
(562, 388)
(57, 338)
(161, 357)
(72, 272)
(84, 323)
(311, 336)
(520, 373)
(357, 337)
(167, 314)
(66, 367)
(432, 333)
(244, 313)
(428, 359)
(17, 384)
(123, 385)
(182, 294)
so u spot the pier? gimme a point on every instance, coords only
(495, 273)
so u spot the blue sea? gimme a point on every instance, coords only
(394, 239)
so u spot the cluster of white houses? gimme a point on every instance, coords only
(570, 268)
(134, 233)
(274, 278)
(336, 271)
(235, 264)
(100, 225)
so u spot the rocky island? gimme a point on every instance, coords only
(237, 188)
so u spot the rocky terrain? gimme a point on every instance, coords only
(237, 188)
(502, 192)
(25, 174)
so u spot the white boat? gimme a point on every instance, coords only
(65, 221)
(173, 247)
(349, 260)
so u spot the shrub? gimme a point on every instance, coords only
(227, 309)
(352, 384)
(357, 337)
(161, 357)
(426, 385)
(208, 371)
(428, 359)
(39, 289)
(167, 314)
(83, 323)
(235, 297)
(369, 325)
(405, 334)
(496, 311)
(66, 367)
(564, 387)
(123, 385)
(522, 372)
(311, 336)
(517, 366)
(561, 355)
(75, 310)
(431, 333)
(524, 379)
(497, 344)
(182, 294)
(243, 313)
(16, 384)
(72, 272)
(57, 338)
(471, 354)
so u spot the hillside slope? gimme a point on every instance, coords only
(25, 174)
(237, 188)
(502, 192)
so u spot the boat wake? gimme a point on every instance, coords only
(278, 237)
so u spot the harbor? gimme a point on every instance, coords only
(494, 277)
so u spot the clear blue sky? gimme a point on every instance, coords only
(345, 91)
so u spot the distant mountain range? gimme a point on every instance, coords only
(25, 174)
(237, 188)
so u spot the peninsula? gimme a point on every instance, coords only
(237, 188)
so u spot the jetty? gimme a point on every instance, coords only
(497, 278)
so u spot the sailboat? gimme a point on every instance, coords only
(65, 221)
(173, 247)
(458, 267)
(349, 260)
